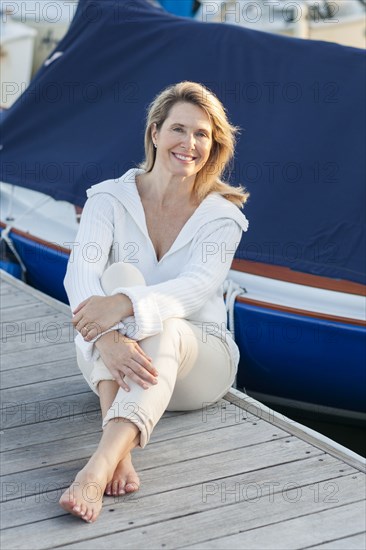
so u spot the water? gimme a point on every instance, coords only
(351, 434)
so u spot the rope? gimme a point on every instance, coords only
(5, 237)
(5, 233)
(232, 290)
(33, 208)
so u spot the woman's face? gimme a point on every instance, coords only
(184, 140)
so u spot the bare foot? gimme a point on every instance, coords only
(125, 478)
(84, 496)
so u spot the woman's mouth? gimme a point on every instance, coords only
(184, 158)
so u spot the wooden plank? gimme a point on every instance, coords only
(307, 434)
(5, 288)
(13, 299)
(53, 370)
(180, 517)
(356, 542)
(22, 421)
(44, 391)
(71, 447)
(39, 355)
(89, 422)
(193, 470)
(19, 331)
(175, 503)
(59, 333)
(32, 292)
(81, 414)
(20, 313)
(163, 452)
(293, 534)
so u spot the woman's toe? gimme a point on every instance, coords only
(132, 486)
(108, 489)
(93, 516)
(121, 489)
(88, 515)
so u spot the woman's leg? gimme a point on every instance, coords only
(194, 369)
(207, 372)
(112, 459)
(84, 497)
(125, 478)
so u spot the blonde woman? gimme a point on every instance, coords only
(145, 285)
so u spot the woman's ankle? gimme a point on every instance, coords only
(100, 464)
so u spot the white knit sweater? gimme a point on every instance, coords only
(186, 283)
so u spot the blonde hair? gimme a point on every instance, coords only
(208, 179)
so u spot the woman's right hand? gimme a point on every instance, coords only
(124, 357)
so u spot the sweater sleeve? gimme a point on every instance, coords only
(212, 252)
(88, 260)
(90, 251)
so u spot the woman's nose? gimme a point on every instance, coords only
(189, 140)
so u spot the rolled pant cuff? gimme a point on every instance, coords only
(99, 373)
(133, 413)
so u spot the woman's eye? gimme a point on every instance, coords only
(178, 129)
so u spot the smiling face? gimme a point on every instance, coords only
(184, 140)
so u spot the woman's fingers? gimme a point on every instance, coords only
(142, 375)
(80, 306)
(80, 325)
(122, 382)
(127, 358)
(76, 319)
(132, 372)
(143, 353)
(80, 322)
(145, 363)
(91, 331)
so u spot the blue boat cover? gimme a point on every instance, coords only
(300, 104)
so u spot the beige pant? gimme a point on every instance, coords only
(195, 370)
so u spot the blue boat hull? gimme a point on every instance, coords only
(46, 266)
(301, 358)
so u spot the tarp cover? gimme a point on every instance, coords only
(300, 105)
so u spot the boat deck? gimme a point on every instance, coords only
(233, 475)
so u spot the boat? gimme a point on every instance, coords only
(49, 21)
(35, 230)
(296, 300)
(16, 56)
(341, 21)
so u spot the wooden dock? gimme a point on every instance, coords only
(235, 475)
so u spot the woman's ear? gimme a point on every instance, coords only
(154, 132)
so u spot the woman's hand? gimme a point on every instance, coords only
(99, 313)
(124, 357)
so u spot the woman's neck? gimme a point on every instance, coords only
(164, 188)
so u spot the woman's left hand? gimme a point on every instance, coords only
(99, 313)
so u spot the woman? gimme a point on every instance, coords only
(145, 285)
